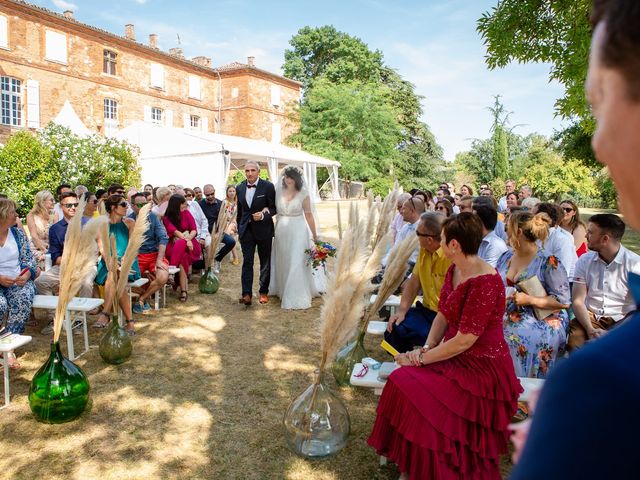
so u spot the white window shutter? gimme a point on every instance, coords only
(275, 95)
(4, 36)
(186, 120)
(33, 104)
(204, 124)
(147, 113)
(194, 87)
(276, 133)
(157, 75)
(168, 121)
(56, 46)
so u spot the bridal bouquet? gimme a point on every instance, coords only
(317, 256)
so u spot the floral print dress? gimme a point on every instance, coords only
(536, 344)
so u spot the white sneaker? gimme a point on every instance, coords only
(216, 267)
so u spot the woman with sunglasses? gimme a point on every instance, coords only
(183, 249)
(91, 207)
(572, 223)
(445, 207)
(121, 228)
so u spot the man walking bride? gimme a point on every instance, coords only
(292, 276)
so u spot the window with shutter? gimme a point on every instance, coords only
(4, 36)
(194, 87)
(156, 115)
(55, 46)
(157, 75)
(109, 62)
(33, 104)
(275, 95)
(11, 91)
(195, 122)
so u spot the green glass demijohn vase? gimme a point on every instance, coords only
(209, 282)
(115, 345)
(352, 353)
(59, 390)
(316, 423)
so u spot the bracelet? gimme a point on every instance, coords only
(423, 350)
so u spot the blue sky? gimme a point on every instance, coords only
(432, 43)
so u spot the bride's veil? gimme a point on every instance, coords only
(297, 174)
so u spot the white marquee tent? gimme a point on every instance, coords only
(188, 157)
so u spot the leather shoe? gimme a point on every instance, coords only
(246, 299)
(264, 299)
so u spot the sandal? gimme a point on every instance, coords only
(183, 296)
(100, 324)
(130, 331)
(13, 361)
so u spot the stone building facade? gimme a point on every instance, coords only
(111, 81)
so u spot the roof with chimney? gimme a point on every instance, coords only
(172, 58)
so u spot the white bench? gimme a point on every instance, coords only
(393, 302)
(370, 380)
(376, 327)
(172, 271)
(77, 304)
(7, 345)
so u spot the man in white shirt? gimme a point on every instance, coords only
(560, 242)
(202, 225)
(492, 246)
(509, 187)
(601, 297)
(398, 222)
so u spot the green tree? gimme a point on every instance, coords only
(352, 123)
(553, 31)
(92, 161)
(26, 166)
(500, 156)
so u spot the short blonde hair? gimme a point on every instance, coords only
(6, 205)
(162, 194)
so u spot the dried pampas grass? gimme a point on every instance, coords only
(78, 259)
(224, 218)
(387, 212)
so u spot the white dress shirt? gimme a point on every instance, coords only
(502, 204)
(608, 293)
(501, 231)
(560, 244)
(491, 248)
(405, 231)
(201, 220)
(250, 193)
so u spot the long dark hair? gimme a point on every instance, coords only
(294, 174)
(173, 209)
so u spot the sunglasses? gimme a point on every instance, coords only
(70, 205)
(140, 205)
(437, 237)
(188, 195)
(123, 204)
(120, 192)
(209, 194)
(444, 209)
(567, 209)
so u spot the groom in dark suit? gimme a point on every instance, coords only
(256, 208)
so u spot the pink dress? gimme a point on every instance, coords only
(448, 420)
(177, 252)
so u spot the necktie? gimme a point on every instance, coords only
(250, 186)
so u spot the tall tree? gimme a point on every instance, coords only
(499, 138)
(553, 31)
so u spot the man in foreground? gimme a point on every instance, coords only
(584, 425)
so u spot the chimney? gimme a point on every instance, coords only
(251, 61)
(130, 32)
(153, 40)
(68, 14)
(202, 60)
(176, 52)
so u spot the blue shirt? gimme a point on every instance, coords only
(57, 232)
(584, 425)
(491, 248)
(155, 235)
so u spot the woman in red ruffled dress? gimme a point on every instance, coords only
(444, 414)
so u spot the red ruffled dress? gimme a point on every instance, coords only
(448, 420)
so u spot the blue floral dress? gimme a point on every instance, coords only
(535, 344)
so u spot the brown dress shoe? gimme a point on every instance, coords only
(264, 299)
(246, 299)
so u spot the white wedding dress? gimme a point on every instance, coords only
(292, 277)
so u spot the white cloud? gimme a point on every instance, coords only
(141, 2)
(65, 5)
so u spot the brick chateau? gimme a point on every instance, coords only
(110, 81)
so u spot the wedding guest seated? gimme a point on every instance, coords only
(529, 203)
(409, 326)
(148, 188)
(151, 256)
(492, 247)
(466, 204)
(509, 188)
(202, 224)
(182, 249)
(442, 192)
(445, 413)
(486, 192)
(120, 227)
(57, 209)
(535, 343)
(601, 297)
(48, 282)
(491, 202)
(115, 189)
(163, 194)
(211, 208)
(512, 201)
(101, 195)
(560, 242)
(18, 268)
(398, 221)
(39, 219)
(197, 192)
(466, 190)
(571, 223)
(91, 206)
(427, 198)
(443, 205)
(411, 210)
(525, 192)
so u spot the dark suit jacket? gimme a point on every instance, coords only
(586, 423)
(264, 197)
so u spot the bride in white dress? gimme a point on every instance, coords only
(292, 277)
